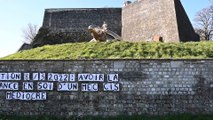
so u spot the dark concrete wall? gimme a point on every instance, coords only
(76, 20)
(144, 19)
(153, 87)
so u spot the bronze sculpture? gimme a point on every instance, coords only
(102, 34)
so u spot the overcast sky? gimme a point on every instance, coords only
(16, 14)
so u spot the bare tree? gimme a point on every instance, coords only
(29, 33)
(204, 23)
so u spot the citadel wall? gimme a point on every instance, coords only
(75, 21)
(142, 20)
(145, 19)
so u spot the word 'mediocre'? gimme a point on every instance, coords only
(26, 95)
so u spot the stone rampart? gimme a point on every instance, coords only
(75, 21)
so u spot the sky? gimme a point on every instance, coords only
(15, 15)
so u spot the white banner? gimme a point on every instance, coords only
(112, 78)
(10, 76)
(44, 86)
(39, 76)
(91, 77)
(111, 87)
(26, 76)
(8, 85)
(61, 77)
(26, 95)
(89, 87)
(67, 87)
(27, 86)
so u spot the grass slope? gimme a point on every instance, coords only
(117, 50)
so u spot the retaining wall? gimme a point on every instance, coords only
(106, 87)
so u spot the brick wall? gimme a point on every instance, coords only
(106, 87)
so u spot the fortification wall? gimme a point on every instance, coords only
(106, 87)
(150, 18)
(75, 21)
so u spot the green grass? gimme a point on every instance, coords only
(168, 117)
(117, 50)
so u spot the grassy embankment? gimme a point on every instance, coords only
(118, 50)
